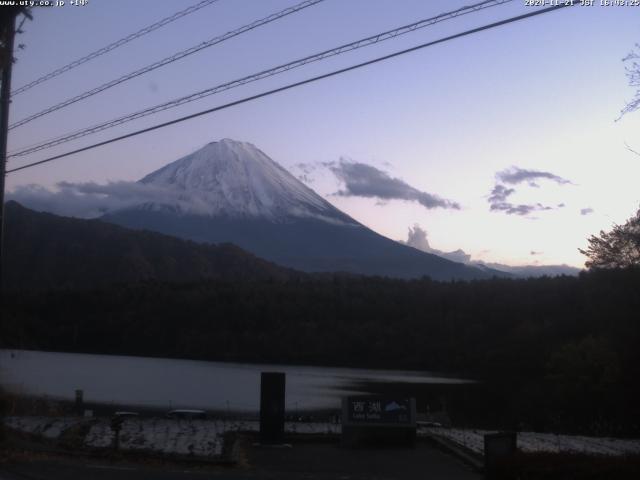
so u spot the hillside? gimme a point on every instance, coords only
(231, 191)
(48, 251)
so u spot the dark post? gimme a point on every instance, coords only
(272, 388)
(6, 58)
(116, 426)
(79, 401)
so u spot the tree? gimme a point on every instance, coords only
(583, 377)
(632, 67)
(619, 248)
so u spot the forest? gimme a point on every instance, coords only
(554, 354)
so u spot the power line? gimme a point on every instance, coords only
(165, 61)
(298, 84)
(260, 75)
(114, 45)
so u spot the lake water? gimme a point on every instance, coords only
(170, 383)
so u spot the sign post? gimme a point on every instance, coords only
(79, 405)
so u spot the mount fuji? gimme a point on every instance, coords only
(230, 191)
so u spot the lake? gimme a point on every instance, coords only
(170, 383)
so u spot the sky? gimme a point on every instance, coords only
(506, 144)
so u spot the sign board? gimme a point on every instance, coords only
(380, 410)
(378, 420)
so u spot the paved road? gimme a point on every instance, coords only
(317, 461)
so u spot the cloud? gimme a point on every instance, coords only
(362, 180)
(499, 197)
(586, 211)
(91, 200)
(516, 175)
(522, 209)
(306, 167)
(306, 172)
(417, 238)
(500, 193)
(498, 201)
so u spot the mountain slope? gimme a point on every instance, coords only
(230, 191)
(235, 179)
(47, 251)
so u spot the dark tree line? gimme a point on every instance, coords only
(552, 353)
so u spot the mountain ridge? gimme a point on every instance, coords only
(240, 195)
(47, 251)
(236, 179)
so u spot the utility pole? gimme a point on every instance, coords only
(6, 58)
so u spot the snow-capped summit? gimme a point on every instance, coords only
(235, 179)
(230, 191)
